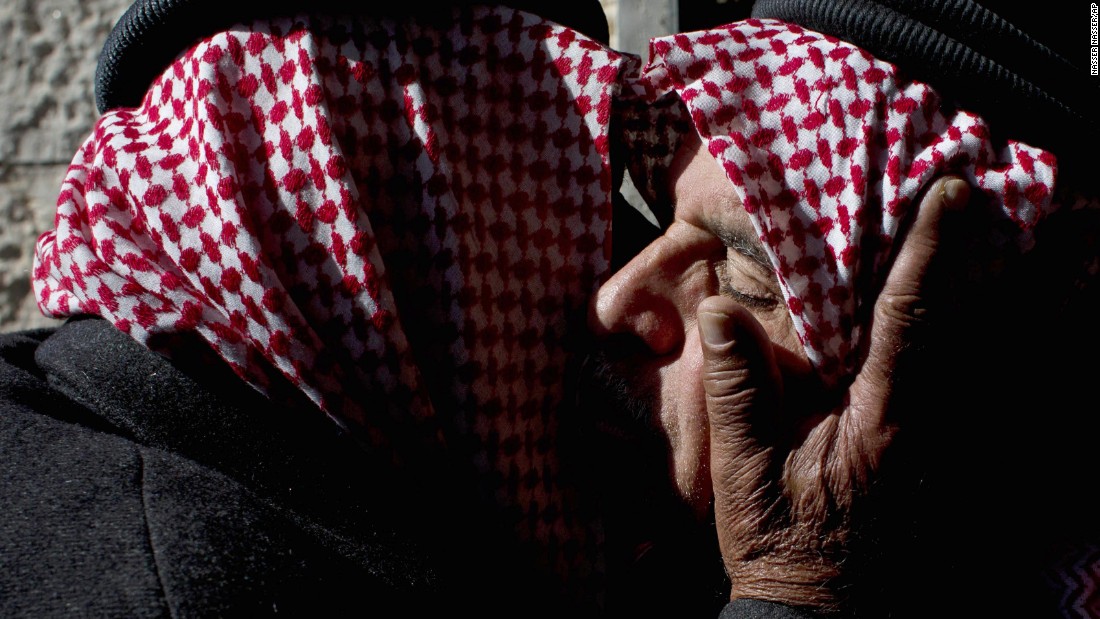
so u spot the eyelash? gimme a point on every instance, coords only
(750, 301)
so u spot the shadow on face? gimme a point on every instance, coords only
(990, 459)
(645, 316)
(641, 387)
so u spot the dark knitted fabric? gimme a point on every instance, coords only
(153, 32)
(1016, 74)
(759, 609)
(133, 487)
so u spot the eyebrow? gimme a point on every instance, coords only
(747, 245)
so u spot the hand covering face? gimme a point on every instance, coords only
(395, 221)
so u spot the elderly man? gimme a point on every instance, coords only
(787, 210)
(746, 425)
(321, 270)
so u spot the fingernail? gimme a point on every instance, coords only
(716, 328)
(956, 193)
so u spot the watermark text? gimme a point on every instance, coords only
(1094, 41)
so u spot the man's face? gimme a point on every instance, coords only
(645, 315)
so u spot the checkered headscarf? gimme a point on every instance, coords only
(395, 220)
(392, 218)
(828, 148)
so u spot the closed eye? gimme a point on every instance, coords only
(762, 301)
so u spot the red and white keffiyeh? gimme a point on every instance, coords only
(828, 148)
(394, 218)
(397, 219)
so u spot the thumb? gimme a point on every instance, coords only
(741, 382)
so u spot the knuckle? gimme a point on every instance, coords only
(905, 309)
(730, 388)
(727, 407)
(728, 379)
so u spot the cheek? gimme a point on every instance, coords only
(684, 418)
(780, 329)
(684, 409)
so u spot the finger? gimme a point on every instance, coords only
(741, 382)
(901, 311)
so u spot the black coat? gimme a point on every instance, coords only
(133, 486)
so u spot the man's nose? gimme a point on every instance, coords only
(642, 299)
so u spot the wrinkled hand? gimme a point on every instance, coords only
(783, 495)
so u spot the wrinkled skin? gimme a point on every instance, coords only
(714, 357)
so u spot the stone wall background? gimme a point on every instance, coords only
(48, 54)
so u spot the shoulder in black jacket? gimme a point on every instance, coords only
(134, 486)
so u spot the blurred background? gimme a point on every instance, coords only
(48, 53)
